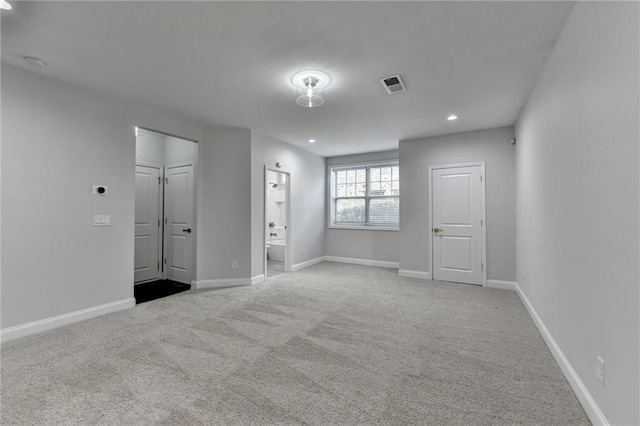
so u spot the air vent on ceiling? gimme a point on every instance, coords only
(393, 84)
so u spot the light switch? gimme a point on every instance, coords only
(101, 220)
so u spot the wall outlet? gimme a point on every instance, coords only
(600, 369)
(234, 264)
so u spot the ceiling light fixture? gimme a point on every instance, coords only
(5, 5)
(312, 141)
(310, 85)
(452, 117)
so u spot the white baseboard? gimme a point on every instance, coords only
(221, 283)
(307, 263)
(46, 324)
(502, 285)
(257, 279)
(414, 274)
(588, 403)
(365, 262)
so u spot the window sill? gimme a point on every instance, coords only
(364, 228)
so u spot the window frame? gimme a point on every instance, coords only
(367, 197)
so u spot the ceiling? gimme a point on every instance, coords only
(230, 63)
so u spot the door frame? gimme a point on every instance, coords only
(161, 271)
(194, 163)
(287, 195)
(483, 209)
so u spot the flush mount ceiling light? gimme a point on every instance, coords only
(310, 85)
(5, 5)
(312, 141)
(452, 117)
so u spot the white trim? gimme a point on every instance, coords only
(150, 165)
(306, 264)
(257, 279)
(221, 283)
(330, 208)
(483, 197)
(179, 164)
(588, 403)
(414, 274)
(287, 246)
(46, 324)
(364, 228)
(365, 262)
(356, 165)
(502, 285)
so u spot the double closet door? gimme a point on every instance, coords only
(164, 223)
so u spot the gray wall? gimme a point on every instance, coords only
(150, 148)
(491, 146)
(577, 204)
(58, 140)
(224, 203)
(158, 149)
(178, 150)
(360, 244)
(307, 189)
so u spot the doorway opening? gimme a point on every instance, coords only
(277, 217)
(164, 214)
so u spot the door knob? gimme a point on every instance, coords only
(436, 230)
(188, 230)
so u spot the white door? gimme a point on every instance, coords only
(147, 224)
(458, 217)
(178, 193)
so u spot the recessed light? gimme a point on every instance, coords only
(34, 62)
(452, 117)
(5, 5)
(312, 141)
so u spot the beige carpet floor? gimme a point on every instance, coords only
(329, 345)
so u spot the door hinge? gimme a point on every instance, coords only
(481, 222)
(166, 181)
(158, 223)
(159, 180)
(165, 260)
(165, 221)
(482, 266)
(158, 266)
(480, 179)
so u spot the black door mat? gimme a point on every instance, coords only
(153, 290)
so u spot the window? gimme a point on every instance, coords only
(366, 196)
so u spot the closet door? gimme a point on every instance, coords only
(458, 217)
(147, 224)
(179, 223)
